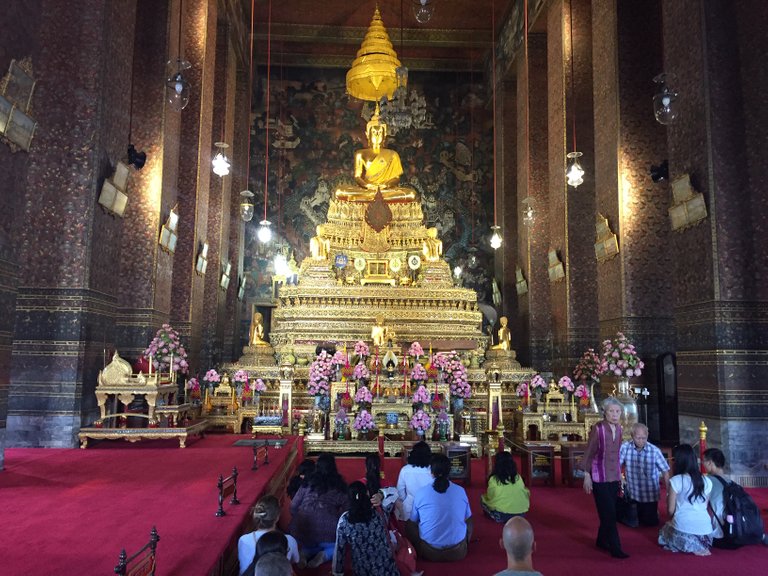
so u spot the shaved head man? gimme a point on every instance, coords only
(517, 540)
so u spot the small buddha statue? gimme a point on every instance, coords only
(256, 337)
(504, 336)
(378, 331)
(376, 168)
(432, 247)
(319, 246)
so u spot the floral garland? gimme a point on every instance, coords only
(418, 373)
(416, 350)
(421, 420)
(164, 347)
(590, 366)
(621, 357)
(320, 375)
(565, 384)
(363, 395)
(212, 377)
(363, 421)
(421, 395)
(454, 373)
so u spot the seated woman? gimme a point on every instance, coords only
(316, 509)
(364, 531)
(689, 528)
(441, 520)
(381, 496)
(303, 471)
(265, 516)
(413, 476)
(507, 495)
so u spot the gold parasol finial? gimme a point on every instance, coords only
(373, 73)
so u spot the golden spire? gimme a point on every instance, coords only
(373, 75)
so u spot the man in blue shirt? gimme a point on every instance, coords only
(643, 464)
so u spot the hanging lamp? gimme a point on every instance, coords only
(264, 233)
(496, 237)
(574, 173)
(665, 108)
(246, 196)
(176, 85)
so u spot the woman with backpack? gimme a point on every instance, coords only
(689, 528)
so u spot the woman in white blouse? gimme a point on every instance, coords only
(413, 476)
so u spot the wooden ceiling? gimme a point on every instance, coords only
(328, 33)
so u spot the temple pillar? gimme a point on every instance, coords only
(721, 302)
(635, 287)
(67, 248)
(571, 210)
(533, 184)
(195, 144)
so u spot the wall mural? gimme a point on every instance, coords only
(315, 129)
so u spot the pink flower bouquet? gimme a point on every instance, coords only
(363, 421)
(590, 367)
(258, 386)
(361, 349)
(581, 392)
(538, 382)
(211, 377)
(565, 384)
(421, 421)
(361, 372)
(166, 347)
(193, 384)
(421, 395)
(522, 389)
(241, 376)
(363, 395)
(621, 357)
(418, 373)
(320, 372)
(416, 350)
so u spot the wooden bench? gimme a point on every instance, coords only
(227, 486)
(143, 563)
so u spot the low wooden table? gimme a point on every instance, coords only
(137, 434)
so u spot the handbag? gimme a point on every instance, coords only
(626, 509)
(402, 549)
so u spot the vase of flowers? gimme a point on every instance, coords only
(363, 424)
(416, 351)
(582, 393)
(420, 423)
(623, 362)
(212, 378)
(166, 352)
(588, 371)
(418, 374)
(538, 385)
(566, 387)
(341, 423)
(257, 387)
(420, 397)
(362, 351)
(193, 386)
(454, 373)
(363, 397)
(361, 373)
(241, 381)
(443, 424)
(524, 393)
(320, 372)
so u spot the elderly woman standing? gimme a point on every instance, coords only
(602, 476)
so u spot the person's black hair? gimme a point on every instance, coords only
(685, 463)
(421, 455)
(440, 467)
(504, 468)
(273, 564)
(303, 471)
(272, 541)
(360, 508)
(716, 456)
(326, 476)
(373, 473)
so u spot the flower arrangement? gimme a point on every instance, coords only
(241, 377)
(339, 358)
(581, 392)
(258, 386)
(320, 374)
(341, 420)
(565, 384)
(522, 389)
(193, 384)
(421, 395)
(212, 377)
(416, 350)
(590, 367)
(418, 373)
(164, 347)
(361, 372)
(442, 417)
(537, 382)
(363, 395)
(454, 372)
(621, 357)
(421, 421)
(363, 421)
(361, 349)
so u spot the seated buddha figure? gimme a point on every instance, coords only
(376, 168)
(504, 336)
(256, 336)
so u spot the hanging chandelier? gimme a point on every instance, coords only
(496, 238)
(574, 173)
(664, 107)
(220, 161)
(176, 85)
(423, 10)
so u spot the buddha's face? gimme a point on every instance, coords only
(376, 136)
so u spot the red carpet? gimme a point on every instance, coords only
(69, 512)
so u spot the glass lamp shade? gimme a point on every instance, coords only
(176, 86)
(574, 173)
(664, 107)
(265, 231)
(423, 10)
(220, 161)
(496, 239)
(246, 205)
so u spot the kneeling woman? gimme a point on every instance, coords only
(507, 495)
(689, 528)
(364, 531)
(441, 520)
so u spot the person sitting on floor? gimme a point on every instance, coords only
(381, 496)
(303, 470)
(272, 542)
(316, 509)
(517, 540)
(507, 495)
(273, 564)
(441, 520)
(689, 528)
(413, 477)
(364, 531)
(266, 513)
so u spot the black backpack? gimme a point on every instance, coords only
(743, 523)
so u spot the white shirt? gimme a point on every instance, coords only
(411, 480)
(690, 517)
(246, 548)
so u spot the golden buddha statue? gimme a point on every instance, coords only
(378, 332)
(432, 246)
(256, 337)
(319, 246)
(376, 168)
(505, 336)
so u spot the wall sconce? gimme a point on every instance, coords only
(241, 288)
(664, 107)
(202, 260)
(246, 205)
(17, 128)
(555, 268)
(574, 172)
(220, 161)
(264, 233)
(688, 206)
(113, 197)
(225, 270)
(606, 243)
(496, 238)
(423, 10)
(168, 233)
